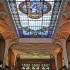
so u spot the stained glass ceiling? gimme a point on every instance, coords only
(35, 18)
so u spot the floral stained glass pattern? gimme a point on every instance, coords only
(35, 18)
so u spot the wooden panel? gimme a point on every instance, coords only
(35, 61)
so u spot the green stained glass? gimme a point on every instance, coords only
(45, 8)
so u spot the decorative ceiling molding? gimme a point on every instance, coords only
(67, 14)
(2, 14)
(24, 55)
(64, 22)
(36, 48)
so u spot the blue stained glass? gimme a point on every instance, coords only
(11, 0)
(49, 35)
(12, 4)
(13, 9)
(20, 32)
(19, 27)
(35, 7)
(27, 36)
(55, 8)
(53, 19)
(14, 12)
(15, 15)
(35, 18)
(43, 36)
(57, 3)
(16, 19)
(58, 0)
(18, 24)
(50, 28)
(52, 24)
(54, 16)
(34, 0)
(55, 12)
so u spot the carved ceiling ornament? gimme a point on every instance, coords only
(67, 14)
(36, 50)
(2, 14)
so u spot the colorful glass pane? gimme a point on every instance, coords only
(36, 7)
(35, 10)
(35, 18)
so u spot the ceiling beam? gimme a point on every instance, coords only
(6, 6)
(63, 7)
(35, 40)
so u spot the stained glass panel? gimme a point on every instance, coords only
(35, 18)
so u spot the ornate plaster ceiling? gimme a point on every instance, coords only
(34, 50)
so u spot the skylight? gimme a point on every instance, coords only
(35, 18)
